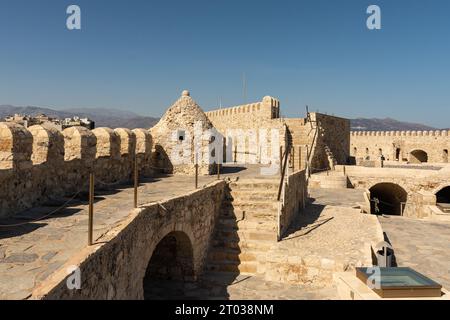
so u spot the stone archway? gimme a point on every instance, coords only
(443, 195)
(418, 156)
(387, 198)
(170, 267)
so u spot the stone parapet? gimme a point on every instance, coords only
(40, 162)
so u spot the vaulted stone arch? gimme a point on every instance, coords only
(443, 195)
(418, 156)
(387, 198)
(170, 266)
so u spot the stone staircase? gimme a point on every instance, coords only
(246, 229)
(299, 137)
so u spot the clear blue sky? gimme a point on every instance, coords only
(139, 55)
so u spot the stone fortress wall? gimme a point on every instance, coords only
(42, 163)
(308, 136)
(248, 128)
(411, 146)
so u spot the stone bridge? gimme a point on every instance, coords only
(167, 239)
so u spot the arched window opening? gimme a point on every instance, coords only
(418, 156)
(387, 198)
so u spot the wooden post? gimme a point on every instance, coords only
(218, 171)
(235, 154)
(307, 161)
(136, 181)
(299, 158)
(281, 159)
(293, 159)
(91, 209)
(196, 176)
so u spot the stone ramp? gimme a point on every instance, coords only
(325, 240)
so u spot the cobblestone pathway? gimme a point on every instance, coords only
(32, 252)
(420, 244)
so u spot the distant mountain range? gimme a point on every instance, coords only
(126, 119)
(387, 124)
(102, 117)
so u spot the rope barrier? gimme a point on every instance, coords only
(45, 216)
(319, 170)
(109, 184)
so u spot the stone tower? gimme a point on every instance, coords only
(181, 138)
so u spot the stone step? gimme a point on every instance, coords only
(253, 195)
(232, 266)
(230, 254)
(233, 224)
(260, 246)
(256, 204)
(249, 213)
(255, 185)
(241, 236)
(257, 235)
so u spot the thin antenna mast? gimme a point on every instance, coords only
(244, 87)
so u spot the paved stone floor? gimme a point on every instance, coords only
(30, 253)
(219, 286)
(420, 244)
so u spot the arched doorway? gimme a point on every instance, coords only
(170, 267)
(443, 196)
(397, 154)
(418, 156)
(387, 198)
(445, 156)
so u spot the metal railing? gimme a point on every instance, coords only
(283, 167)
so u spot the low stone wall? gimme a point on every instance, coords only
(116, 267)
(40, 163)
(293, 199)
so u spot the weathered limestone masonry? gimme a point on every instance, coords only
(42, 163)
(179, 143)
(412, 146)
(250, 126)
(294, 197)
(116, 267)
(332, 142)
(311, 135)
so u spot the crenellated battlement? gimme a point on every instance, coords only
(42, 162)
(436, 133)
(268, 104)
(407, 146)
